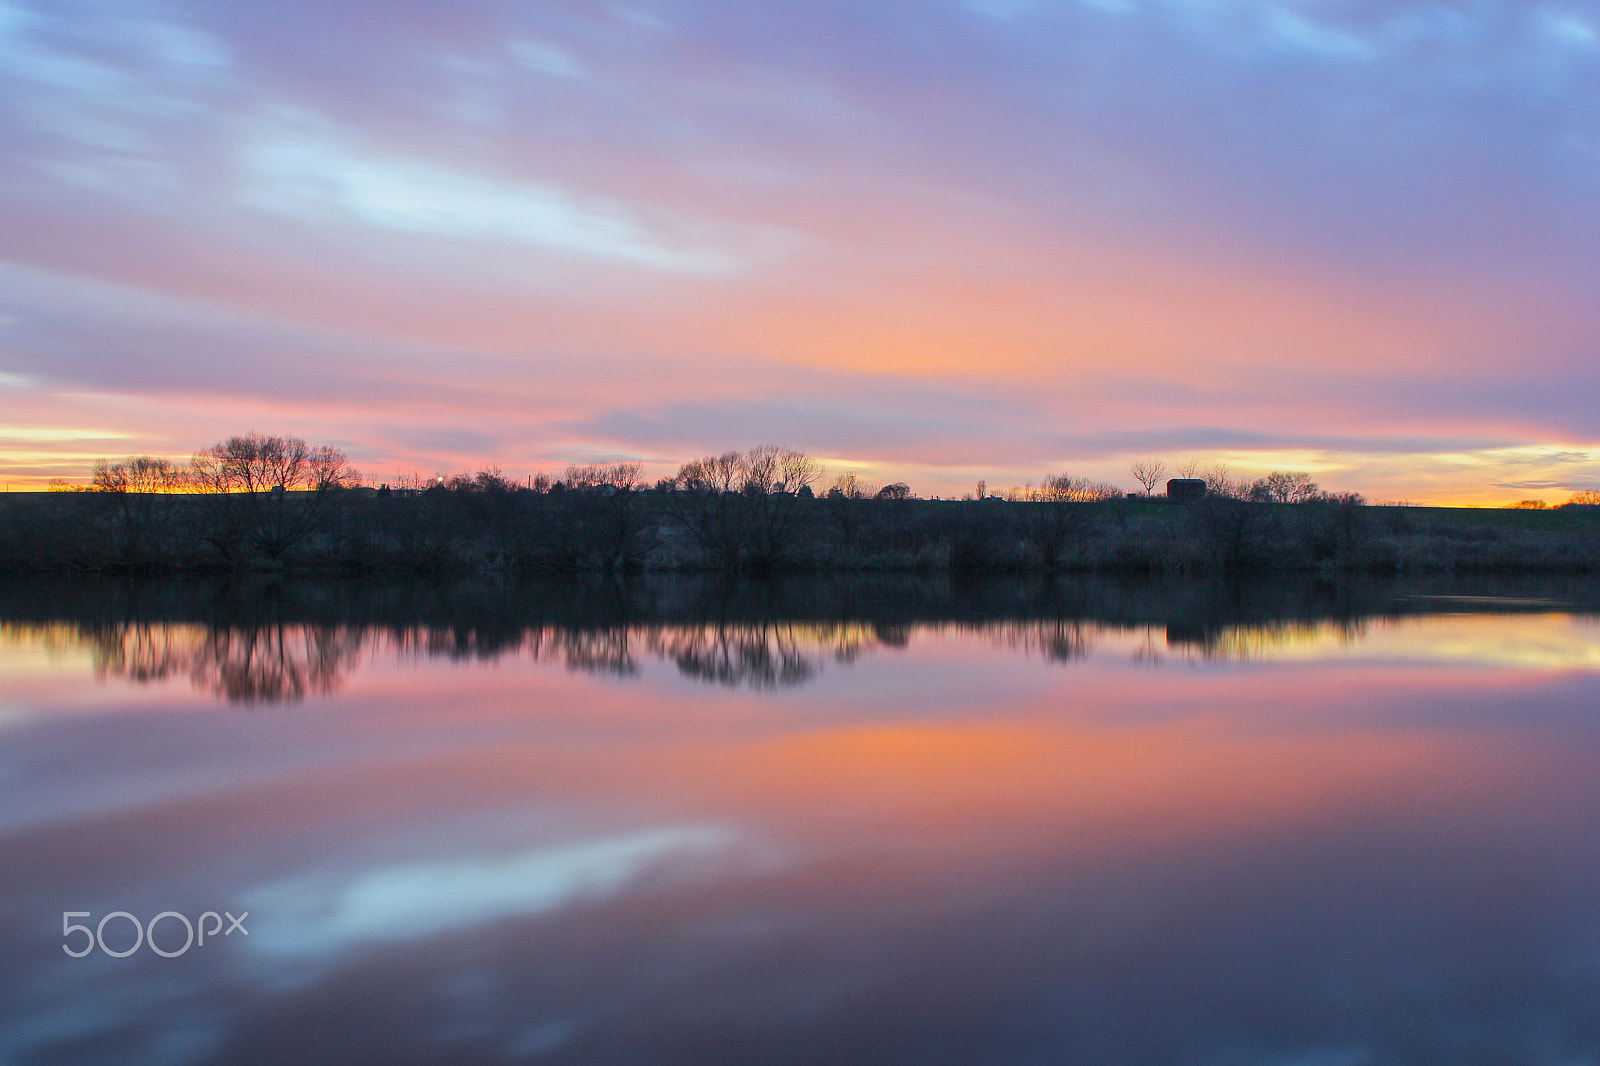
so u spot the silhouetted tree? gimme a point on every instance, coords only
(1232, 527)
(599, 518)
(1063, 488)
(141, 488)
(846, 507)
(265, 491)
(850, 487)
(488, 481)
(740, 506)
(1220, 482)
(1057, 518)
(1147, 472)
(1337, 528)
(1283, 486)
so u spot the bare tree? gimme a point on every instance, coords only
(1189, 469)
(598, 517)
(141, 486)
(490, 480)
(266, 490)
(615, 477)
(740, 506)
(1147, 472)
(1231, 527)
(1059, 522)
(850, 487)
(1285, 487)
(138, 473)
(255, 463)
(1219, 482)
(1063, 488)
(844, 501)
(1337, 528)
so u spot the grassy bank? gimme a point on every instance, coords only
(471, 532)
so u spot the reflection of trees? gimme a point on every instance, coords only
(753, 654)
(242, 664)
(271, 663)
(1260, 641)
(741, 654)
(595, 649)
(277, 662)
(253, 657)
(456, 642)
(758, 655)
(266, 663)
(142, 652)
(1059, 640)
(1146, 652)
(599, 651)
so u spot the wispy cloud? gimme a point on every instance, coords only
(323, 180)
(994, 234)
(12, 432)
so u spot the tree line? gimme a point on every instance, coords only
(270, 502)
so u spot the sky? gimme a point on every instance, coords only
(929, 242)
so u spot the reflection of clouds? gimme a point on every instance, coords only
(305, 915)
(1527, 642)
(109, 1012)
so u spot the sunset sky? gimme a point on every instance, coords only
(930, 242)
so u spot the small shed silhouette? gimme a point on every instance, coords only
(1186, 488)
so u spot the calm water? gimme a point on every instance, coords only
(822, 822)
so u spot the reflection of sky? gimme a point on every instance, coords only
(420, 900)
(130, 658)
(961, 843)
(1528, 642)
(936, 242)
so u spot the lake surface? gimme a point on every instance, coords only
(889, 821)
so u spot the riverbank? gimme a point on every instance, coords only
(444, 532)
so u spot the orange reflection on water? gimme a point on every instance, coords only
(986, 813)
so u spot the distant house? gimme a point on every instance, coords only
(1186, 488)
